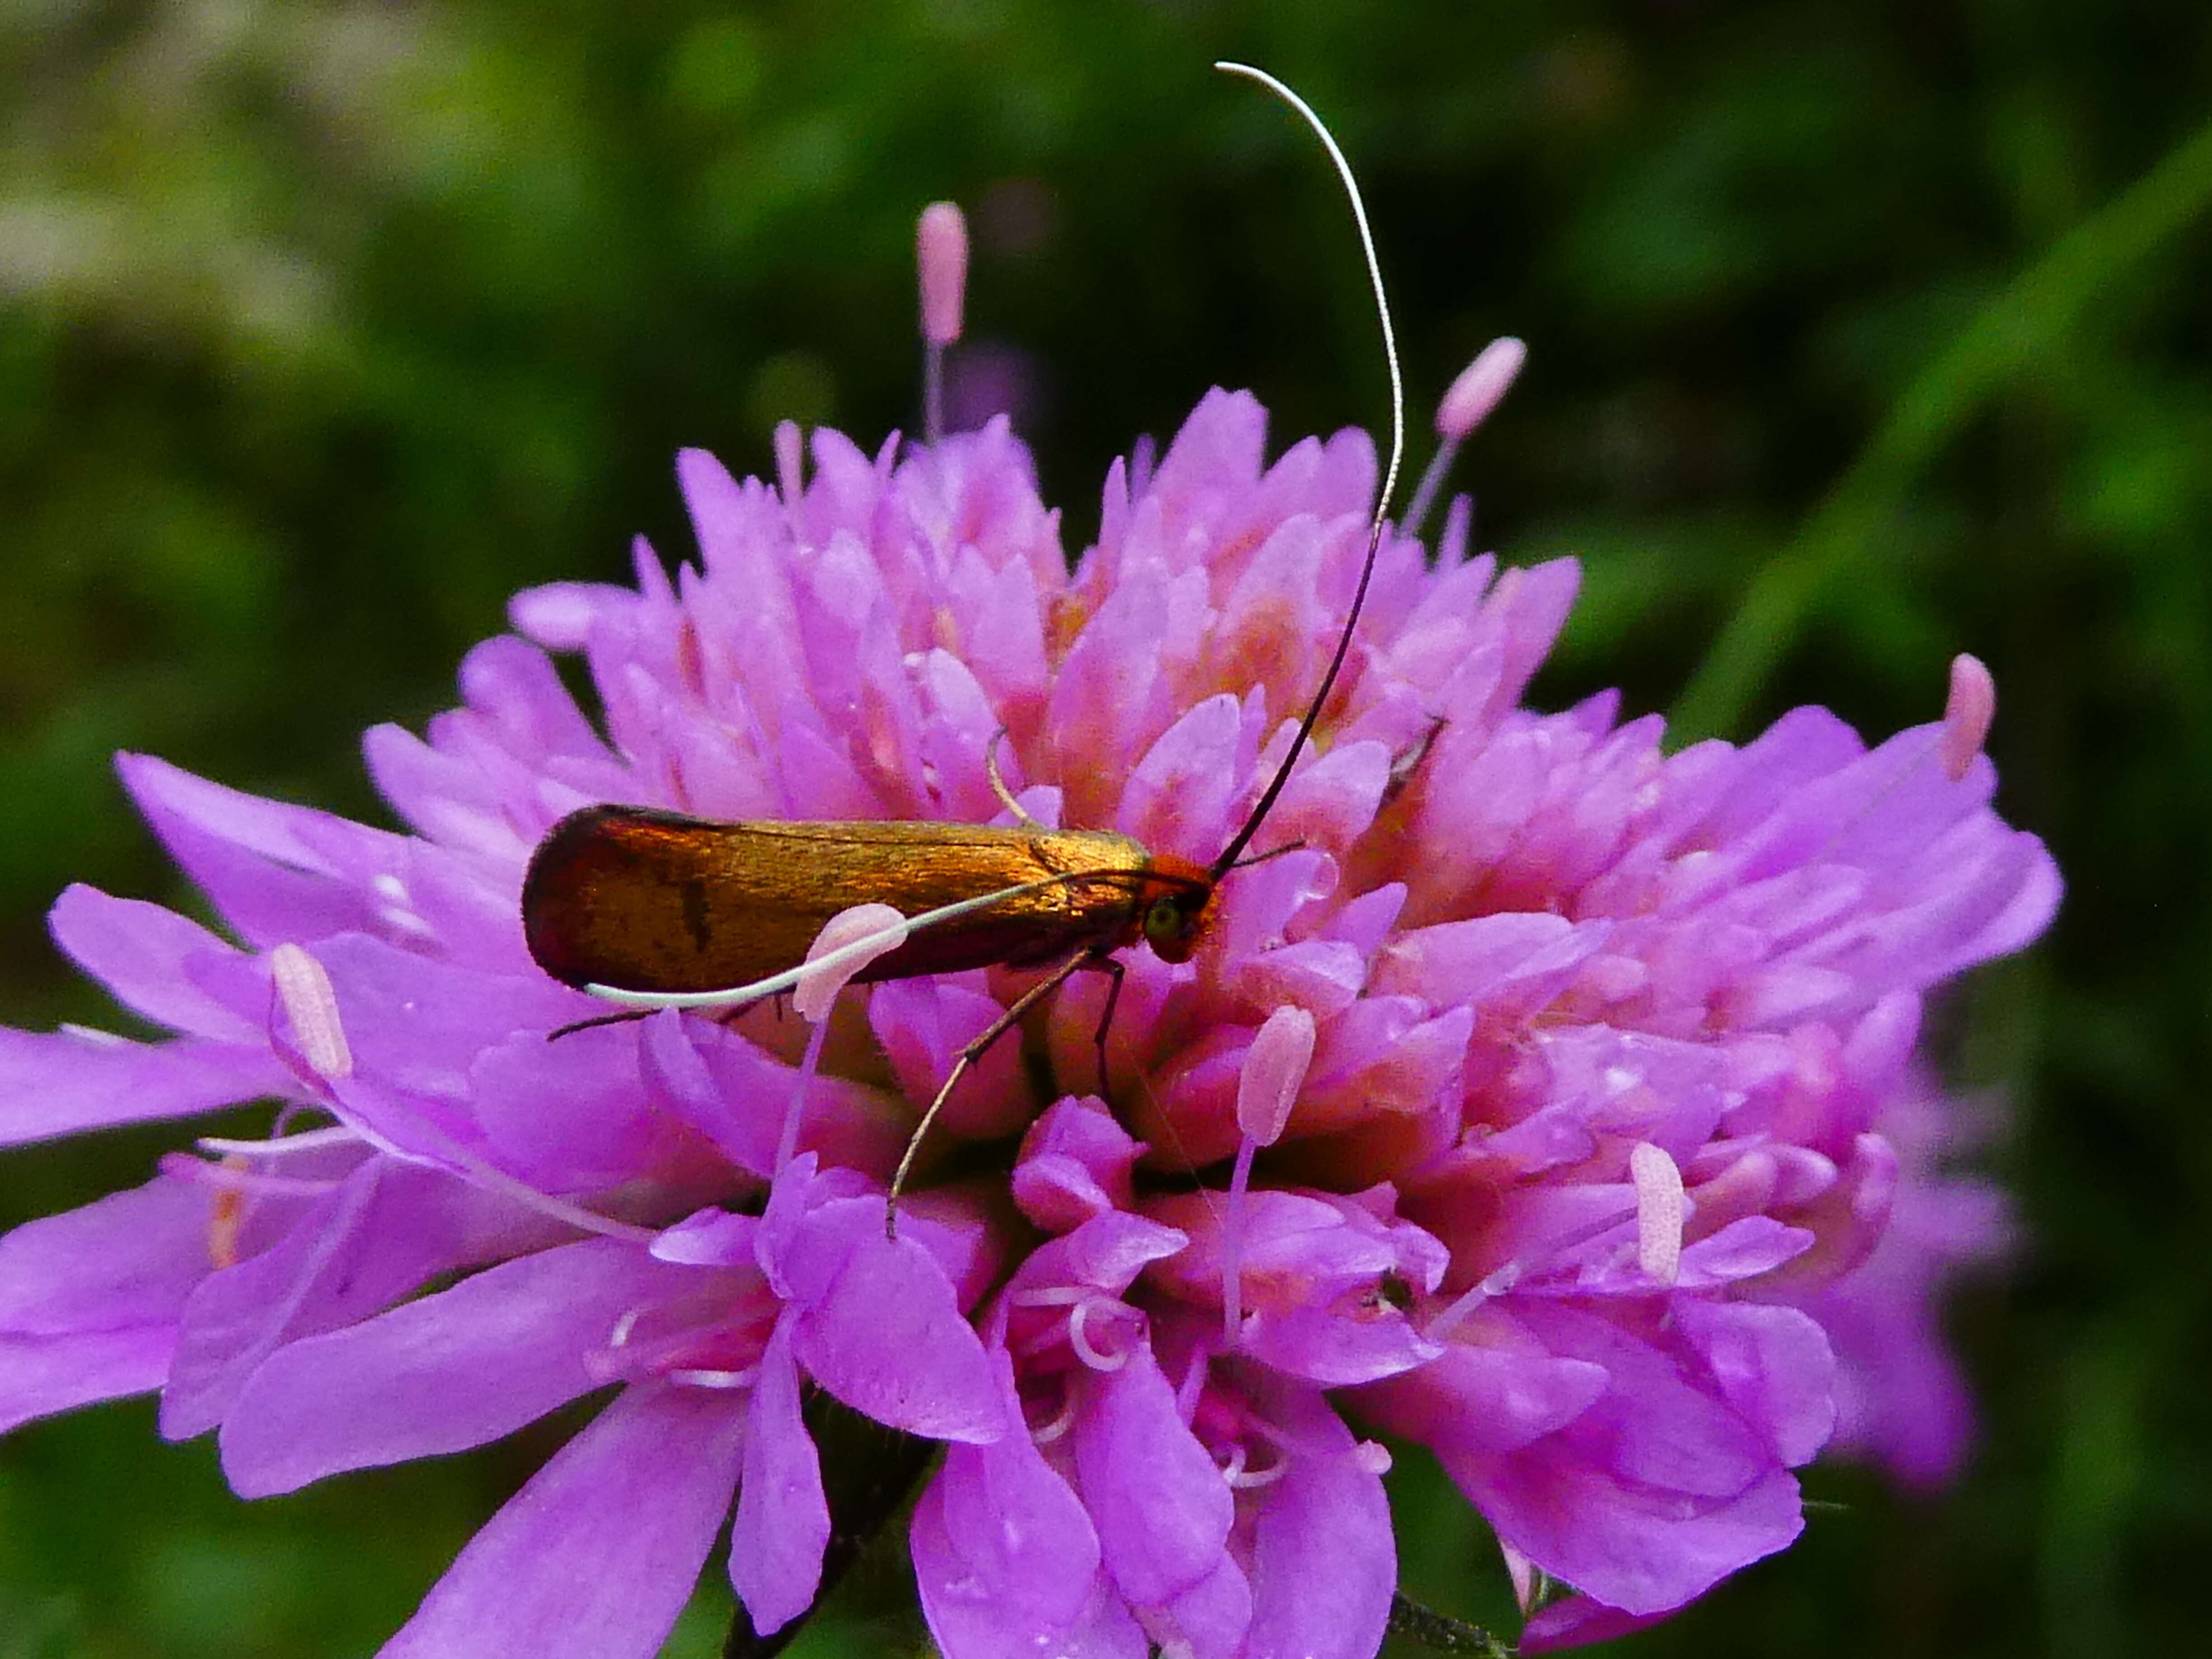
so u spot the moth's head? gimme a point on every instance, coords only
(1173, 907)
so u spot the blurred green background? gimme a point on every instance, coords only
(1861, 336)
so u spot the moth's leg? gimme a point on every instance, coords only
(596, 1020)
(969, 1053)
(1112, 968)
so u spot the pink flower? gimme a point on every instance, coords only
(1574, 1157)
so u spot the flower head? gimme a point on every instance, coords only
(1539, 1101)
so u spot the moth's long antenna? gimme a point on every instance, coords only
(1230, 854)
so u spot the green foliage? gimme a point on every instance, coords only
(1861, 336)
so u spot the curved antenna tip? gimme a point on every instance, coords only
(1305, 113)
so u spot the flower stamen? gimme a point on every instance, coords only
(1660, 1209)
(1968, 713)
(1078, 1337)
(308, 1141)
(311, 1005)
(1060, 1425)
(700, 1378)
(940, 248)
(1466, 405)
(1267, 1087)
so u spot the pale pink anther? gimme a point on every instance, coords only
(1268, 1087)
(853, 939)
(1466, 405)
(1967, 713)
(1660, 1209)
(313, 1007)
(1481, 385)
(940, 245)
(1275, 1070)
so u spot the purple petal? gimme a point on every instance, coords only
(1488, 1400)
(274, 871)
(1209, 1619)
(1337, 1346)
(418, 1025)
(708, 1238)
(1657, 1425)
(40, 1375)
(1106, 1253)
(560, 615)
(141, 953)
(467, 1366)
(968, 1622)
(61, 1083)
(386, 1230)
(1324, 1563)
(1076, 1163)
(921, 1023)
(1773, 1364)
(1177, 797)
(1008, 1560)
(514, 686)
(596, 1557)
(1161, 1507)
(1107, 691)
(878, 1325)
(571, 1115)
(129, 1259)
(1575, 1621)
(782, 1524)
(1641, 1551)
(721, 1085)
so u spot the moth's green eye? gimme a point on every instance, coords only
(1163, 923)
